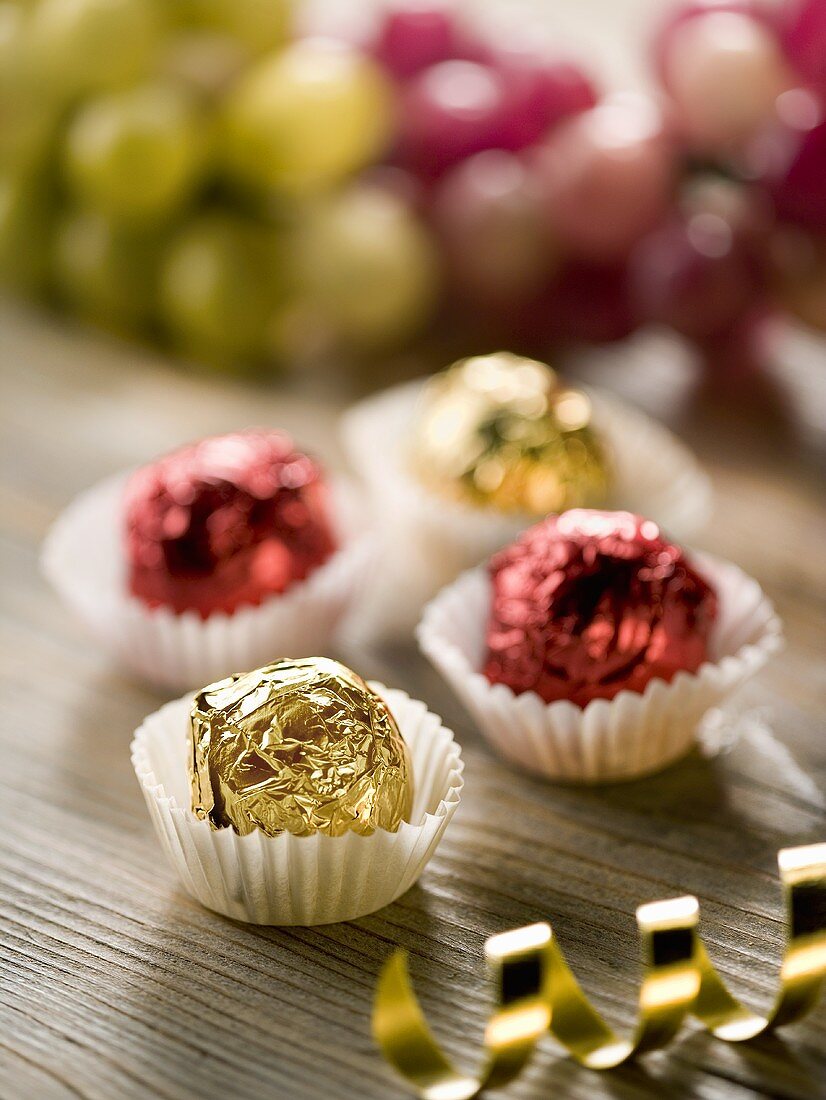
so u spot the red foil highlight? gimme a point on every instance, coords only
(590, 603)
(226, 521)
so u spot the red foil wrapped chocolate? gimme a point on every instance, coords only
(589, 603)
(224, 522)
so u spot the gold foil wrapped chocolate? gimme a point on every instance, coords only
(299, 746)
(500, 430)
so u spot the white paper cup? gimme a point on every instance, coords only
(290, 879)
(84, 561)
(427, 540)
(635, 733)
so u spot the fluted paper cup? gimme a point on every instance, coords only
(83, 559)
(290, 879)
(427, 540)
(634, 734)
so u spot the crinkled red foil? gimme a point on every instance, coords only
(589, 603)
(224, 522)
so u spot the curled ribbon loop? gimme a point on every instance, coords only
(536, 991)
(519, 963)
(669, 987)
(802, 973)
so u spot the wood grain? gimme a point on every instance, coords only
(114, 984)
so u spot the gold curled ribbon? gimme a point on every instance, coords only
(803, 970)
(519, 964)
(536, 991)
(670, 984)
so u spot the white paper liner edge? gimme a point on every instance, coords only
(427, 541)
(634, 734)
(288, 879)
(82, 558)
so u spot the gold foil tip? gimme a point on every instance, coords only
(500, 430)
(299, 746)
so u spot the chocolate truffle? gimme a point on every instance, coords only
(224, 522)
(590, 603)
(501, 431)
(298, 746)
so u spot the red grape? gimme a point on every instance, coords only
(607, 177)
(488, 215)
(456, 108)
(678, 16)
(696, 275)
(804, 39)
(540, 93)
(450, 111)
(413, 36)
(723, 70)
(798, 190)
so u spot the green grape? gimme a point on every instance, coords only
(25, 116)
(12, 54)
(25, 229)
(219, 286)
(14, 107)
(368, 267)
(105, 272)
(305, 118)
(204, 61)
(11, 32)
(261, 25)
(80, 46)
(136, 154)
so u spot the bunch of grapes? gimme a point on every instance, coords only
(190, 171)
(565, 214)
(195, 171)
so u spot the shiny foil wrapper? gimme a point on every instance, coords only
(300, 746)
(501, 431)
(590, 603)
(225, 522)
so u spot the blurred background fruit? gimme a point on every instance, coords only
(105, 272)
(25, 120)
(607, 176)
(136, 154)
(306, 117)
(723, 67)
(208, 174)
(487, 211)
(81, 46)
(258, 25)
(364, 269)
(25, 231)
(803, 36)
(219, 288)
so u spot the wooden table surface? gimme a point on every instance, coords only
(113, 983)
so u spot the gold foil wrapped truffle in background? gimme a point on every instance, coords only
(499, 430)
(299, 746)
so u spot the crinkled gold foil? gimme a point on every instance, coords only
(500, 430)
(299, 746)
